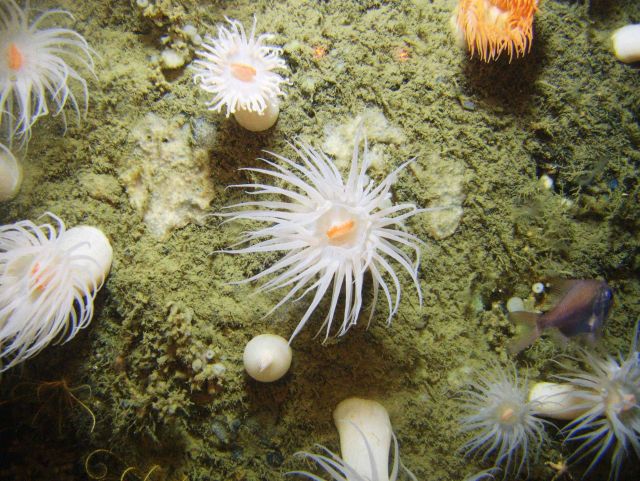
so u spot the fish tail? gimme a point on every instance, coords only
(528, 330)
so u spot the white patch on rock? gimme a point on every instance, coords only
(168, 181)
(380, 134)
(443, 184)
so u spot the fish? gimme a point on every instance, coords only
(582, 306)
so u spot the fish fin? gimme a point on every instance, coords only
(559, 337)
(524, 317)
(557, 288)
(594, 337)
(590, 338)
(528, 330)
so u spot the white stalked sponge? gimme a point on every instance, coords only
(365, 436)
(626, 43)
(48, 280)
(365, 441)
(238, 70)
(10, 174)
(267, 357)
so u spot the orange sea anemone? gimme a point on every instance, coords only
(491, 27)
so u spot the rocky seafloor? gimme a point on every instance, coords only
(160, 366)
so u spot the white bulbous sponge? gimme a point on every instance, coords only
(267, 357)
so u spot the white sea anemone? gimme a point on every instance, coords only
(239, 72)
(48, 280)
(332, 232)
(610, 387)
(503, 420)
(37, 69)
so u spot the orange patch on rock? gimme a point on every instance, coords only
(319, 51)
(402, 54)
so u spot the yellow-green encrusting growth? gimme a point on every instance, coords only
(163, 352)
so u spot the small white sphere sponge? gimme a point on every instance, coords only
(515, 304)
(626, 43)
(537, 288)
(267, 357)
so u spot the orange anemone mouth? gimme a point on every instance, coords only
(15, 58)
(491, 27)
(340, 231)
(243, 71)
(41, 277)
